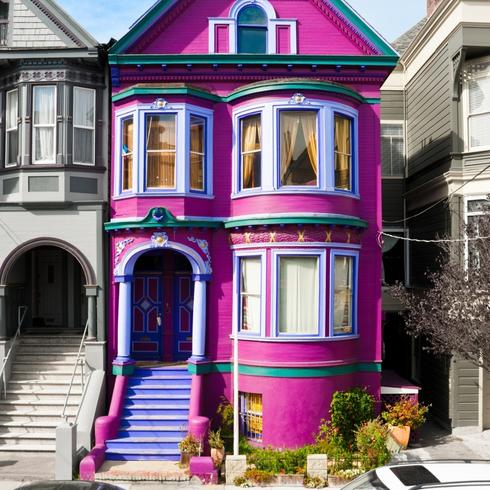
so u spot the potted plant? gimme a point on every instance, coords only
(189, 446)
(402, 417)
(217, 447)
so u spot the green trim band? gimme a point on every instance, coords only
(123, 370)
(286, 372)
(248, 90)
(159, 218)
(252, 59)
(294, 220)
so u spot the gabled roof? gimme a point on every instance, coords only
(344, 10)
(402, 43)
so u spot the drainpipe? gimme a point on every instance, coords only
(236, 430)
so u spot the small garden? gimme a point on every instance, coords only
(354, 439)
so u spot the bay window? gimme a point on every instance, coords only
(160, 141)
(83, 125)
(250, 291)
(197, 153)
(11, 128)
(343, 304)
(44, 124)
(127, 154)
(343, 153)
(299, 148)
(250, 151)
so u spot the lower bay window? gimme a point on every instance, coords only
(11, 128)
(84, 126)
(251, 411)
(44, 124)
(164, 149)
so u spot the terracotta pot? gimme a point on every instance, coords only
(401, 434)
(185, 459)
(217, 455)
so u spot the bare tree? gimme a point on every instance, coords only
(453, 312)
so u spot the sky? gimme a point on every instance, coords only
(112, 18)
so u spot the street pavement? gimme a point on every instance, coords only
(435, 443)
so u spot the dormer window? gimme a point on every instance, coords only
(4, 18)
(252, 30)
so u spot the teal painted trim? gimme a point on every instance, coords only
(373, 100)
(364, 28)
(251, 59)
(297, 220)
(123, 370)
(165, 91)
(286, 372)
(247, 90)
(160, 218)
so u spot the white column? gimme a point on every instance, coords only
(124, 322)
(199, 321)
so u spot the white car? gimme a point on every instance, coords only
(456, 475)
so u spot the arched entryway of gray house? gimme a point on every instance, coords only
(55, 281)
(146, 308)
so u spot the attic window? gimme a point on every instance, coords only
(252, 30)
(4, 17)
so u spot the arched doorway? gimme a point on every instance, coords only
(161, 307)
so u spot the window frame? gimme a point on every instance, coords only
(189, 116)
(276, 255)
(93, 129)
(270, 174)
(54, 126)
(400, 122)
(237, 256)
(467, 214)
(183, 112)
(120, 166)
(8, 130)
(355, 296)
(353, 146)
(264, 27)
(240, 153)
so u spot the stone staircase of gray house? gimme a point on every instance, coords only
(40, 378)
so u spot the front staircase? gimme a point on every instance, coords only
(39, 381)
(155, 415)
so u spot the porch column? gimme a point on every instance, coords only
(91, 292)
(124, 323)
(3, 312)
(199, 320)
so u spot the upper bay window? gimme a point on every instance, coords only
(44, 124)
(392, 149)
(11, 128)
(163, 150)
(252, 30)
(310, 148)
(83, 126)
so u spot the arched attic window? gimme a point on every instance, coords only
(252, 30)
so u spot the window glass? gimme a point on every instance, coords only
(393, 270)
(12, 133)
(252, 30)
(343, 295)
(299, 148)
(479, 112)
(4, 16)
(160, 150)
(83, 125)
(44, 122)
(197, 153)
(250, 305)
(298, 301)
(392, 154)
(251, 151)
(343, 153)
(127, 154)
(251, 416)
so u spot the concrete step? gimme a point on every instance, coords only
(31, 375)
(44, 366)
(43, 397)
(37, 416)
(34, 403)
(44, 427)
(44, 391)
(50, 340)
(36, 438)
(28, 448)
(46, 357)
(52, 384)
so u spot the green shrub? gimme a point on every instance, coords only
(258, 477)
(314, 482)
(371, 444)
(348, 411)
(287, 461)
(405, 412)
(329, 441)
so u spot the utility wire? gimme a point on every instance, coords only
(440, 240)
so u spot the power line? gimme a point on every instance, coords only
(433, 205)
(440, 240)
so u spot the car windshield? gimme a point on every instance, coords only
(369, 480)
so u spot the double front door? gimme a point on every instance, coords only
(162, 317)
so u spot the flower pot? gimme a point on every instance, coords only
(185, 459)
(401, 434)
(217, 455)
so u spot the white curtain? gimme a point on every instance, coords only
(44, 124)
(250, 294)
(12, 140)
(84, 125)
(298, 295)
(342, 307)
(12, 109)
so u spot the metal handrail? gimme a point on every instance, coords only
(63, 414)
(21, 314)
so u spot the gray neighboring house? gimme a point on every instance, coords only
(54, 120)
(436, 137)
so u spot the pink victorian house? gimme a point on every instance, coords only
(246, 201)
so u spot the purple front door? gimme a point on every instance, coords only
(146, 338)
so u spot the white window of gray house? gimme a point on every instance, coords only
(476, 208)
(4, 19)
(44, 124)
(392, 151)
(84, 125)
(478, 105)
(11, 128)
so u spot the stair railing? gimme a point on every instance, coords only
(75, 368)
(21, 314)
